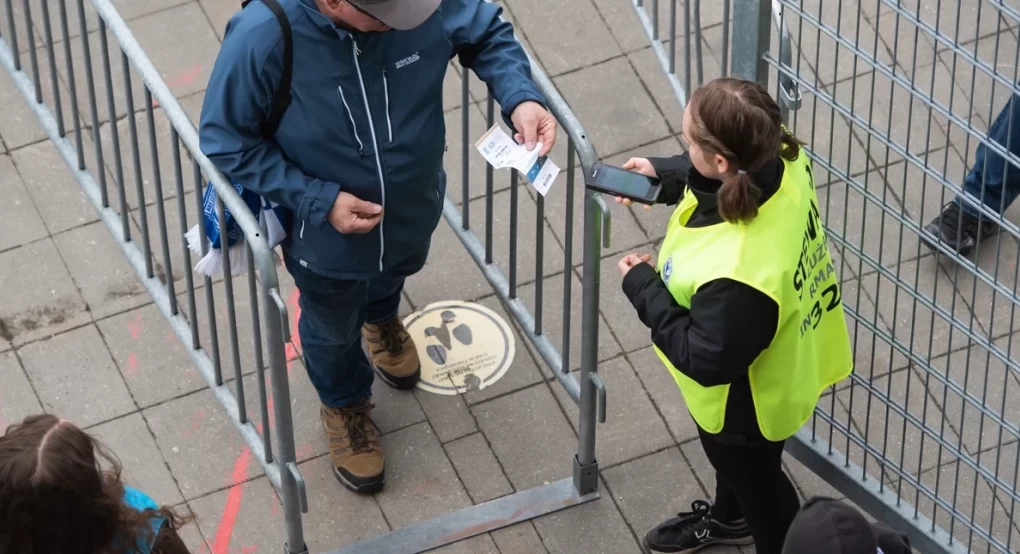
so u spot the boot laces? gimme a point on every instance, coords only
(358, 422)
(693, 521)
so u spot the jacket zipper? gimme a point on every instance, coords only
(343, 100)
(386, 92)
(375, 144)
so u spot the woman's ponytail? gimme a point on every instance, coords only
(789, 146)
(738, 198)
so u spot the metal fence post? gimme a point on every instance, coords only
(751, 36)
(586, 467)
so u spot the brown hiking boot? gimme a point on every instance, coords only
(392, 353)
(354, 447)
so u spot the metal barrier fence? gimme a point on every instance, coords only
(89, 135)
(894, 98)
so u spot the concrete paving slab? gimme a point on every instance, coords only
(651, 489)
(905, 40)
(538, 446)
(831, 60)
(959, 485)
(652, 221)
(809, 485)
(20, 217)
(931, 333)
(633, 427)
(449, 415)
(989, 383)
(986, 97)
(874, 356)
(145, 469)
(993, 309)
(394, 409)
(57, 195)
(178, 42)
(518, 539)
(421, 482)
(1001, 463)
(649, 70)
(618, 113)
(553, 319)
(17, 399)
(128, 9)
(864, 224)
(21, 30)
(19, 125)
(828, 137)
(525, 370)
(201, 446)
(901, 441)
(176, 242)
(576, 22)
(76, 378)
(450, 273)
(482, 544)
(336, 516)
(219, 12)
(309, 437)
(593, 527)
(192, 106)
(624, 24)
(617, 309)
(477, 468)
(192, 537)
(107, 282)
(47, 301)
(243, 518)
(664, 393)
(625, 233)
(527, 249)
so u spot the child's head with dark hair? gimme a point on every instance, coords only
(733, 128)
(58, 497)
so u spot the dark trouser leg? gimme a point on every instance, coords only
(753, 473)
(332, 313)
(993, 180)
(384, 291)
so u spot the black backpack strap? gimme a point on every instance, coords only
(281, 98)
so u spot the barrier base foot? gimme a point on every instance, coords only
(287, 550)
(586, 477)
(476, 520)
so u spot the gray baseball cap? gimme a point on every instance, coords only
(401, 15)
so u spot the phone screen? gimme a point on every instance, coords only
(625, 182)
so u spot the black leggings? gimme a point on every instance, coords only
(751, 485)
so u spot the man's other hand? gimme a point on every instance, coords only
(352, 216)
(534, 125)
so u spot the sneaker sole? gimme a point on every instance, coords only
(369, 487)
(746, 541)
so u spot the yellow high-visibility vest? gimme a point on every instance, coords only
(783, 253)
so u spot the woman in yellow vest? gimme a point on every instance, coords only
(744, 309)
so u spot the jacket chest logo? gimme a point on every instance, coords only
(667, 270)
(407, 61)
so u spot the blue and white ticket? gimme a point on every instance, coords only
(501, 151)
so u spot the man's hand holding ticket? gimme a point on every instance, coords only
(501, 151)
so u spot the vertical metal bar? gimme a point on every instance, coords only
(143, 218)
(93, 109)
(280, 387)
(540, 258)
(260, 365)
(700, 73)
(12, 33)
(182, 218)
(30, 34)
(210, 303)
(725, 37)
(752, 21)
(672, 39)
(72, 89)
(157, 180)
(513, 233)
(655, 18)
(568, 257)
(589, 330)
(490, 108)
(58, 108)
(118, 166)
(465, 141)
(228, 287)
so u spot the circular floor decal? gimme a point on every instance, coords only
(462, 346)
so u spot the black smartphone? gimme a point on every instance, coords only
(625, 184)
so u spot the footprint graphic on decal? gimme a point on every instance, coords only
(445, 335)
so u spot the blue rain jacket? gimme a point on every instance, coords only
(366, 118)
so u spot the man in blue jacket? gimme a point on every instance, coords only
(357, 160)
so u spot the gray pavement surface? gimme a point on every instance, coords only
(80, 337)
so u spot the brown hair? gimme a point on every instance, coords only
(57, 497)
(739, 121)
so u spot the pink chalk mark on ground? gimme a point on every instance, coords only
(196, 420)
(182, 79)
(249, 549)
(135, 326)
(132, 364)
(225, 528)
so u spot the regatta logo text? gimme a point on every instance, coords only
(408, 60)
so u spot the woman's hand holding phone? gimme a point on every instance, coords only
(637, 165)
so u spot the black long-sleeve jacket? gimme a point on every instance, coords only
(728, 324)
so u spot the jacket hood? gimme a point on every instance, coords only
(826, 526)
